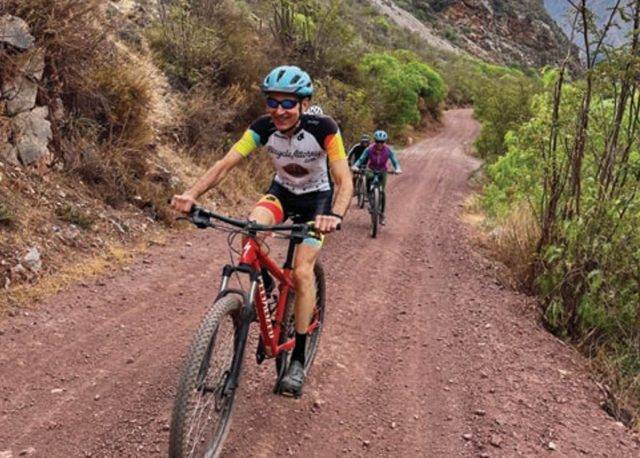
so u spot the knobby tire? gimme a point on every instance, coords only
(194, 432)
(375, 210)
(360, 191)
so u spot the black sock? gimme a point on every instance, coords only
(298, 350)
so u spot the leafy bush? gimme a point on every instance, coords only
(348, 105)
(502, 104)
(582, 183)
(398, 82)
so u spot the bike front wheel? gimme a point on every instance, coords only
(374, 203)
(360, 191)
(202, 410)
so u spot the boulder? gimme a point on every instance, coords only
(8, 154)
(31, 134)
(33, 260)
(20, 93)
(15, 32)
(32, 63)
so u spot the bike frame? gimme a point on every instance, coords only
(252, 260)
(375, 182)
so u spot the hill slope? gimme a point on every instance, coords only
(517, 32)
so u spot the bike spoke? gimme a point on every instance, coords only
(207, 401)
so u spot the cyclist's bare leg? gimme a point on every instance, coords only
(304, 261)
(262, 216)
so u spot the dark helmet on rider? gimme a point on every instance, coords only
(365, 138)
(290, 80)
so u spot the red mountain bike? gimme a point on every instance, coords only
(204, 401)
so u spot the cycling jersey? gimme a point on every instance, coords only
(300, 160)
(376, 158)
(355, 152)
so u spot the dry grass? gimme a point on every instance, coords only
(75, 216)
(208, 117)
(511, 240)
(621, 391)
(85, 268)
(7, 217)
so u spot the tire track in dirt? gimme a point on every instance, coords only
(424, 354)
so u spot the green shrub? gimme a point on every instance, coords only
(587, 265)
(397, 83)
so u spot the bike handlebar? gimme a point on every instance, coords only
(364, 170)
(201, 217)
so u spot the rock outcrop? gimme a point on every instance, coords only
(25, 136)
(513, 32)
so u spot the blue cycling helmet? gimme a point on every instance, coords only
(290, 80)
(380, 136)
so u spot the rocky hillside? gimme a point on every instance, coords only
(519, 32)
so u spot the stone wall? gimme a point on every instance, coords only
(25, 130)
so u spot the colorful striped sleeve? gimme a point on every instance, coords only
(334, 146)
(250, 141)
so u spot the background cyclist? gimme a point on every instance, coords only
(304, 148)
(376, 157)
(356, 150)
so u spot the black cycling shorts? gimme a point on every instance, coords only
(300, 208)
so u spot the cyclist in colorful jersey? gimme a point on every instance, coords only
(304, 149)
(375, 157)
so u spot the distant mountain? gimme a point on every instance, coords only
(562, 12)
(508, 32)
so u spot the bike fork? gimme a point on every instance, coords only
(232, 381)
(240, 343)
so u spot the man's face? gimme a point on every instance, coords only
(285, 118)
(364, 143)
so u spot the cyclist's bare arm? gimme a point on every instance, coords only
(211, 178)
(343, 191)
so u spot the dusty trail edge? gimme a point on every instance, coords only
(424, 353)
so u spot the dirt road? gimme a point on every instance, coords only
(424, 353)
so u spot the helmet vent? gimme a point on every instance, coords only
(295, 79)
(281, 74)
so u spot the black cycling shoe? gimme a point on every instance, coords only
(291, 383)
